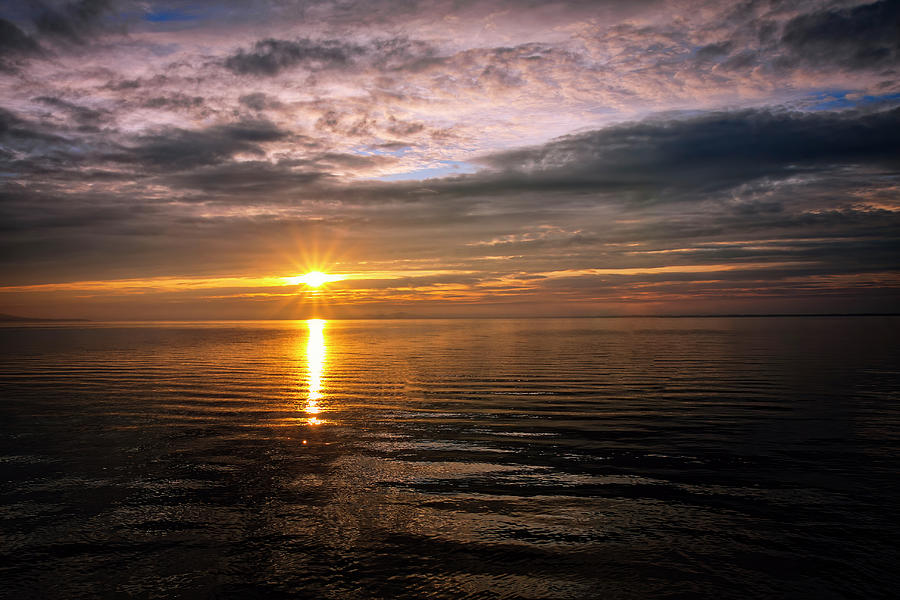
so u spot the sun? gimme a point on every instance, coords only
(313, 279)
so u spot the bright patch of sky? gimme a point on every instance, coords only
(448, 168)
(369, 151)
(844, 99)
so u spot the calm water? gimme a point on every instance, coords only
(552, 458)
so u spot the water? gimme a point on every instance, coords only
(549, 458)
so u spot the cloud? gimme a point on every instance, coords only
(83, 115)
(247, 177)
(15, 45)
(72, 21)
(259, 101)
(861, 37)
(23, 136)
(271, 56)
(176, 148)
(176, 101)
(607, 138)
(14, 41)
(706, 153)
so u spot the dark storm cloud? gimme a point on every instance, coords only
(14, 41)
(246, 177)
(15, 47)
(713, 51)
(82, 114)
(233, 181)
(66, 23)
(651, 161)
(268, 57)
(177, 101)
(792, 38)
(27, 139)
(73, 21)
(77, 213)
(176, 148)
(259, 101)
(861, 37)
(710, 152)
(123, 85)
(740, 157)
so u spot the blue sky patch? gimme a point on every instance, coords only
(843, 99)
(448, 168)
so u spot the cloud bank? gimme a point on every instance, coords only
(474, 158)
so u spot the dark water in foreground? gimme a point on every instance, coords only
(552, 458)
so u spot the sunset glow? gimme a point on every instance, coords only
(349, 160)
(429, 299)
(314, 279)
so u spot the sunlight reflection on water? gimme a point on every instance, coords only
(315, 363)
(418, 460)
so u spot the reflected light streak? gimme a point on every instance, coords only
(315, 361)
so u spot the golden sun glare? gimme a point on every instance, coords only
(313, 279)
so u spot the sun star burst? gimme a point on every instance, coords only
(313, 279)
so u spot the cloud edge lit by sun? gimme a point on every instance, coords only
(313, 279)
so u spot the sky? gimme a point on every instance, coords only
(188, 160)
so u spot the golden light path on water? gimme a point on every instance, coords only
(315, 363)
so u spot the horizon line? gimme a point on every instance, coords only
(18, 319)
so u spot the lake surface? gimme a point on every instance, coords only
(545, 458)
